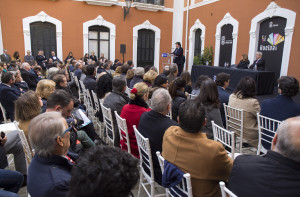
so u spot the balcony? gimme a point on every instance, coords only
(100, 2)
(149, 5)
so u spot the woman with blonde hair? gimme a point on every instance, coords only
(27, 107)
(118, 72)
(150, 77)
(132, 113)
(44, 88)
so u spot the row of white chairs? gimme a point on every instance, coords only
(184, 188)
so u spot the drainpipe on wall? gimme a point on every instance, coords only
(186, 31)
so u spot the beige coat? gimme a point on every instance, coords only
(206, 160)
(251, 107)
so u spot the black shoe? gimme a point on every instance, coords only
(246, 145)
(24, 181)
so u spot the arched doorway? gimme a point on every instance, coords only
(43, 37)
(145, 47)
(198, 41)
(99, 41)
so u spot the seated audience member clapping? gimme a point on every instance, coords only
(161, 105)
(196, 89)
(176, 90)
(8, 94)
(244, 98)
(44, 89)
(186, 76)
(188, 148)
(209, 97)
(275, 174)
(104, 171)
(49, 173)
(132, 113)
(149, 77)
(115, 101)
(244, 63)
(27, 107)
(138, 76)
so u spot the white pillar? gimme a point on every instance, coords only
(177, 23)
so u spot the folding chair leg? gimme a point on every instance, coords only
(141, 182)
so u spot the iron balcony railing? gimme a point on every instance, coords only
(154, 2)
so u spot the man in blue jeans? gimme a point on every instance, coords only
(11, 182)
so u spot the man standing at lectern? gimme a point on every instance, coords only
(259, 63)
(179, 57)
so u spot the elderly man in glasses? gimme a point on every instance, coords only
(49, 173)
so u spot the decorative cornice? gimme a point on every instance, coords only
(148, 7)
(100, 2)
(271, 9)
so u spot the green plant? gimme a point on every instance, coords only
(206, 56)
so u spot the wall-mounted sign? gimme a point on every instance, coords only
(271, 43)
(226, 45)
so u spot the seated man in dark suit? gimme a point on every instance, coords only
(8, 94)
(154, 123)
(222, 81)
(90, 79)
(27, 76)
(282, 106)
(277, 173)
(5, 57)
(49, 172)
(259, 63)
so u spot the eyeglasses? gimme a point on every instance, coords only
(67, 130)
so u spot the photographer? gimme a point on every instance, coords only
(62, 102)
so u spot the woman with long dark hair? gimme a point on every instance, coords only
(244, 98)
(209, 97)
(176, 90)
(196, 89)
(132, 113)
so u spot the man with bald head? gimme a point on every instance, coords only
(275, 174)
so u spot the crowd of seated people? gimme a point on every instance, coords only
(70, 159)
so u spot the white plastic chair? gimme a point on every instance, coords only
(3, 113)
(145, 162)
(122, 127)
(226, 138)
(108, 122)
(25, 144)
(266, 131)
(185, 187)
(234, 122)
(170, 114)
(225, 191)
(98, 123)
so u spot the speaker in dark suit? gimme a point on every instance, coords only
(259, 63)
(179, 58)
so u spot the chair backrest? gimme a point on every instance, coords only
(185, 187)
(234, 122)
(3, 113)
(225, 137)
(146, 163)
(170, 113)
(123, 131)
(96, 101)
(266, 130)
(128, 90)
(25, 144)
(72, 76)
(225, 191)
(108, 122)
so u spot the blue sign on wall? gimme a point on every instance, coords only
(164, 55)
